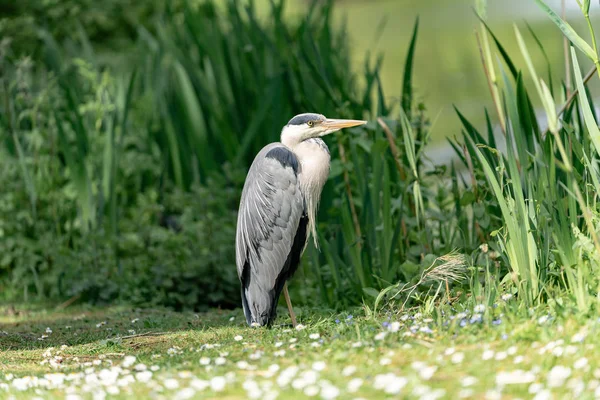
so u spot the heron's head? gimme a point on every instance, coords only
(307, 126)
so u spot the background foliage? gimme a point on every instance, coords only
(123, 184)
(121, 177)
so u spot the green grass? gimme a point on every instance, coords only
(440, 357)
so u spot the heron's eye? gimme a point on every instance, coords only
(310, 123)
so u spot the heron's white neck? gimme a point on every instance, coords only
(314, 158)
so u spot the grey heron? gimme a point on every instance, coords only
(277, 212)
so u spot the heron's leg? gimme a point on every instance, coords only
(289, 304)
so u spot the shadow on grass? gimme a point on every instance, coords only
(27, 327)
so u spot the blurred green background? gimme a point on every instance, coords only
(447, 62)
(448, 67)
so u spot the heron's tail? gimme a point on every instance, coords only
(247, 313)
(260, 306)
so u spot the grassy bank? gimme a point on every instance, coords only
(472, 353)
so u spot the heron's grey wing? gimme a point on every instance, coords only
(269, 215)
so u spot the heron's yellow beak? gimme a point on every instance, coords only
(336, 124)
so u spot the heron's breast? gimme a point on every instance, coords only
(314, 161)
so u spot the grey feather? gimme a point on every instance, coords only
(270, 211)
(320, 143)
(304, 118)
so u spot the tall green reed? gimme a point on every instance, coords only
(225, 81)
(401, 215)
(545, 181)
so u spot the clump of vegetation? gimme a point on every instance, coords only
(545, 182)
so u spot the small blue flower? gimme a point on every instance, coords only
(463, 322)
(349, 317)
(337, 321)
(475, 318)
(504, 336)
(385, 324)
(497, 321)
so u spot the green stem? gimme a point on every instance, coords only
(563, 153)
(591, 29)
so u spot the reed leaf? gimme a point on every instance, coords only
(569, 32)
